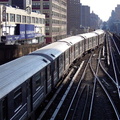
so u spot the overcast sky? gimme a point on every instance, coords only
(102, 8)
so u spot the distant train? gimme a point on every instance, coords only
(26, 81)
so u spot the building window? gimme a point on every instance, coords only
(40, 20)
(18, 18)
(36, 5)
(36, 20)
(7, 17)
(47, 30)
(33, 19)
(47, 21)
(24, 19)
(46, 15)
(28, 19)
(46, 5)
(43, 21)
(12, 17)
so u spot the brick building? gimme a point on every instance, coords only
(56, 17)
(73, 16)
(94, 21)
(85, 20)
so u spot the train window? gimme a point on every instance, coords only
(49, 72)
(4, 109)
(37, 78)
(55, 65)
(61, 59)
(17, 98)
(43, 76)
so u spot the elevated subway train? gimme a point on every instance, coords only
(26, 81)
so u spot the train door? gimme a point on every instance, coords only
(85, 42)
(82, 46)
(76, 50)
(61, 65)
(45, 84)
(44, 80)
(49, 78)
(95, 41)
(79, 48)
(71, 54)
(55, 77)
(67, 60)
(3, 109)
(29, 96)
(91, 42)
(88, 43)
(98, 39)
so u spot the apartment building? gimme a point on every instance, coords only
(21, 25)
(56, 17)
(114, 20)
(73, 16)
(117, 13)
(94, 21)
(85, 11)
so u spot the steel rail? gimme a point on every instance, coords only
(83, 75)
(108, 53)
(78, 102)
(115, 45)
(94, 87)
(86, 101)
(110, 99)
(118, 69)
(107, 73)
(65, 94)
(55, 95)
(116, 78)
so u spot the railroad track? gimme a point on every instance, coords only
(115, 57)
(97, 79)
(85, 93)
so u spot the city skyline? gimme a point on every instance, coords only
(102, 8)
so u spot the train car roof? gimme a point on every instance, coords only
(72, 40)
(99, 31)
(52, 50)
(14, 73)
(88, 35)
